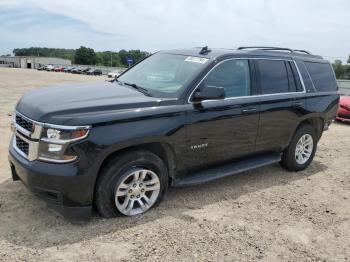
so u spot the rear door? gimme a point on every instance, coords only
(282, 103)
(221, 130)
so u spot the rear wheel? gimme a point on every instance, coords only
(301, 150)
(131, 184)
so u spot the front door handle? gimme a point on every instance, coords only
(249, 111)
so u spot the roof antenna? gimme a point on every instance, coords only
(204, 51)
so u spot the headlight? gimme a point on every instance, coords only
(63, 135)
(55, 140)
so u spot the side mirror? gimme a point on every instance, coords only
(206, 92)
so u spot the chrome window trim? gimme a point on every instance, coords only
(252, 96)
(300, 77)
(308, 73)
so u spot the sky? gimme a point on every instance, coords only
(319, 26)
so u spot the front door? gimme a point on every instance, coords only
(221, 130)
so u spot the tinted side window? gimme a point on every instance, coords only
(291, 78)
(233, 75)
(273, 76)
(305, 75)
(298, 83)
(322, 76)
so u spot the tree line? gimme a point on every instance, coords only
(342, 71)
(85, 55)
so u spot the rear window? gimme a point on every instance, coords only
(273, 76)
(322, 76)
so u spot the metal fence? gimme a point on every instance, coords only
(344, 86)
(105, 69)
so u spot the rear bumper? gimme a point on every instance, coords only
(60, 185)
(343, 115)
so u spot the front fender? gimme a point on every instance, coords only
(105, 140)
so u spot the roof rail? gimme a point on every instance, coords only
(272, 48)
(302, 51)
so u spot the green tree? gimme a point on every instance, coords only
(45, 52)
(107, 57)
(135, 55)
(338, 69)
(85, 56)
(341, 71)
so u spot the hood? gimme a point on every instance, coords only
(59, 104)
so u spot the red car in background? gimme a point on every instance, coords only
(59, 69)
(343, 113)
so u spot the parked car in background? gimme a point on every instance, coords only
(58, 69)
(68, 69)
(114, 74)
(41, 68)
(118, 145)
(94, 72)
(343, 113)
(49, 68)
(76, 71)
(83, 71)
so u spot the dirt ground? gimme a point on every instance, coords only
(267, 214)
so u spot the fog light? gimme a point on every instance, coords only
(54, 148)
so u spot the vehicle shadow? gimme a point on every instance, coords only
(26, 221)
(342, 123)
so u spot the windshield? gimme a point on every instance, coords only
(164, 75)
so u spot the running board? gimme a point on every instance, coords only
(228, 169)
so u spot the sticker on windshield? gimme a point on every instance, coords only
(194, 59)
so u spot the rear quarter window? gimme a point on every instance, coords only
(322, 76)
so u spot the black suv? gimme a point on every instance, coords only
(177, 118)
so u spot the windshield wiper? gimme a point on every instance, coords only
(117, 80)
(139, 88)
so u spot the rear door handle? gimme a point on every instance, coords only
(249, 111)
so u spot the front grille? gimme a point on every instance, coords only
(24, 123)
(22, 145)
(344, 116)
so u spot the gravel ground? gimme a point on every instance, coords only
(267, 214)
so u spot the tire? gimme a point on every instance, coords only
(119, 172)
(292, 162)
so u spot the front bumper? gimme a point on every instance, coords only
(64, 187)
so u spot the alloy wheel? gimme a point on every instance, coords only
(304, 149)
(137, 192)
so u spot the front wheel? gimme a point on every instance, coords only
(301, 149)
(131, 184)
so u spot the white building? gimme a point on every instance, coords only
(31, 61)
